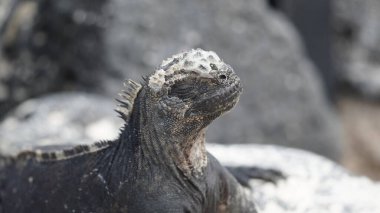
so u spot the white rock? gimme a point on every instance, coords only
(313, 184)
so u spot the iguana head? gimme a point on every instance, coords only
(194, 88)
(176, 103)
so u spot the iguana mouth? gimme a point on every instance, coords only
(220, 101)
(227, 98)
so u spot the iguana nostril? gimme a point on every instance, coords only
(223, 76)
(213, 66)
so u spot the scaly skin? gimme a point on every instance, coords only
(159, 162)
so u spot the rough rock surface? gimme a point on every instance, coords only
(282, 102)
(60, 119)
(314, 184)
(357, 44)
(313, 22)
(55, 43)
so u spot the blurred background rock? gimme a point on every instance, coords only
(309, 69)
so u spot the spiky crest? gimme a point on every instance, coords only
(127, 98)
(125, 106)
(40, 155)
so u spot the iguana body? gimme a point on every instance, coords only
(159, 162)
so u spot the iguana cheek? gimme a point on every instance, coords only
(173, 107)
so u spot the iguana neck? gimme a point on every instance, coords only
(156, 144)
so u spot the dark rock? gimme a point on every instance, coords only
(48, 46)
(313, 21)
(357, 45)
(65, 119)
(313, 184)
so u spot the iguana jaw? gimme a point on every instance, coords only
(217, 103)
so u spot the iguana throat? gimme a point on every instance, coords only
(164, 141)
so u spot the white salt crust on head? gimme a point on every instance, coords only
(195, 60)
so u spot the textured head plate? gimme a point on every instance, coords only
(178, 66)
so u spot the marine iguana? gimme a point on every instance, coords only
(158, 163)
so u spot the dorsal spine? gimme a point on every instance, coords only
(127, 98)
(125, 107)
